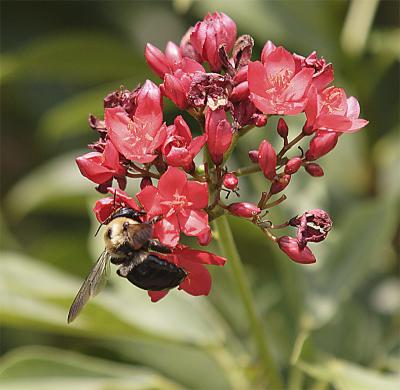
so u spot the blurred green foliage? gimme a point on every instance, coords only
(332, 325)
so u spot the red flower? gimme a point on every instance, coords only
(313, 226)
(198, 280)
(180, 202)
(299, 254)
(267, 159)
(207, 37)
(138, 138)
(275, 87)
(101, 168)
(219, 134)
(104, 207)
(332, 110)
(179, 148)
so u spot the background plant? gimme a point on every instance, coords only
(351, 296)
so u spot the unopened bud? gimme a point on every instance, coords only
(267, 159)
(314, 169)
(280, 183)
(323, 142)
(293, 165)
(282, 128)
(230, 181)
(244, 209)
(146, 181)
(253, 156)
(260, 120)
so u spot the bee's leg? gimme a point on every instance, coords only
(155, 245)
(117, 260)
(126, 268)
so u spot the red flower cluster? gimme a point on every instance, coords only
(235, 97)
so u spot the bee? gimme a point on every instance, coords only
(128, 241)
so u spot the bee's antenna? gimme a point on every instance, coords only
(98, 229)
(115, 194)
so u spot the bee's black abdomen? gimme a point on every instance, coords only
(156, 274)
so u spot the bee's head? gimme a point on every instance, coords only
(116, 235)
(127, 212)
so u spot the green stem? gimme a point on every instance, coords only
(296, 379)
(247, 170)
(229, 249)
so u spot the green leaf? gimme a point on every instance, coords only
(59, 177)
(354, 256)
(344, 375)
(35, 294)
(77, 57)
(48, 368)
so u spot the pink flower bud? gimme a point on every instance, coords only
(282, 128)
(157, 60)
(230, 181)
(207, 37)
(146, 181)
(244, 209)
(323, 142)
(253, 156)
(290, 246)
(174, 90)
(260, 120)
(314, 169)
(267, 159)
(219, 134)
(293, 165)
(280, 183)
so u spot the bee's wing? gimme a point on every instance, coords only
(139, 234)
(92, 285)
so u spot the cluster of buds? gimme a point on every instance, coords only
(234, 97)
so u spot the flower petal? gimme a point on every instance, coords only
(198, 280)
(186, 254)
(193, 222)
(149, 107)
(167, 230)
(256, 75)
(150, 200)
(171, 182)
(197, 194)
(90, 166)
(157, 295)
(299, 84)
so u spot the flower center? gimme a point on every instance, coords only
(281, 79)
